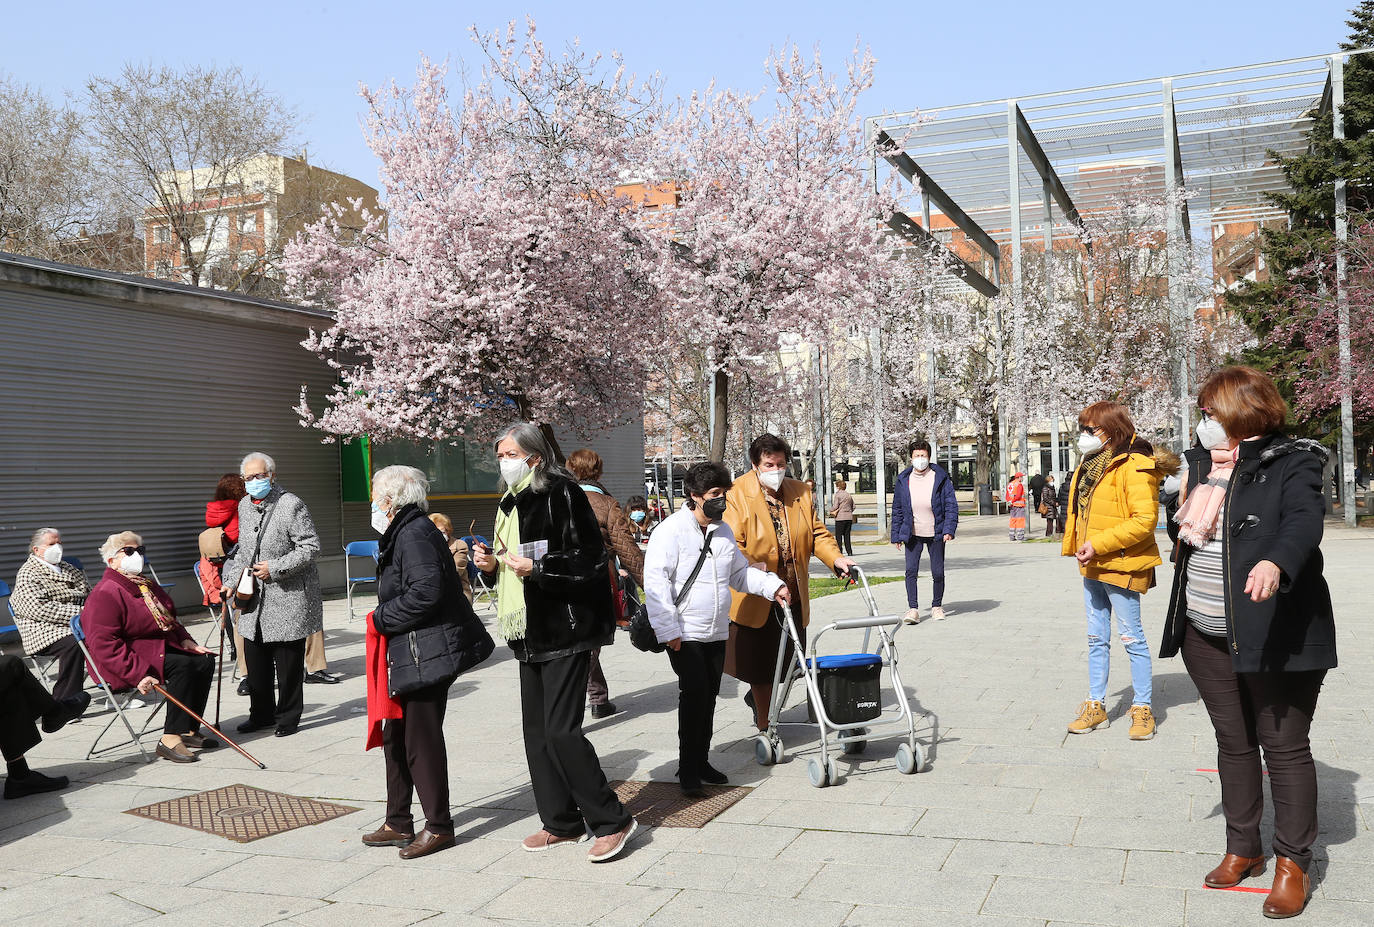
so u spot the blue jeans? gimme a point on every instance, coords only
(1101, 600)
(913, 550)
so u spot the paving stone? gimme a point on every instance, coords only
(1085, 902)
(305, 878)
(914, 889)
(693, 909)
(1088, 864)
(403, 886)
(994, 825)
(567, 902)
(868, 849)
(783, 878)
(872, 819)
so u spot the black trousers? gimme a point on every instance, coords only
(23, 700)
(570, 790)
(71, 666)
(287, 658)
(698, 665)
(842, 536)
(187, 677)
(1251, 711)
(417, 762)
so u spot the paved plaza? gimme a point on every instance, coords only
(1016, 823)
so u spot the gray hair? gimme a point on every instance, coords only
(115, 541)
(37, 537)
(530, 439)
(257, 455)
(401, 485)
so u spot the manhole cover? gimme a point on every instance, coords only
(662, 804)
(241, 812)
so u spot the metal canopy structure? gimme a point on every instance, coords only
(1100, 142)
(1001, 169)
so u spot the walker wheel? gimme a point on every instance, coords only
(832, 770)
(763, 750)
(907, 759)
(817, 773)
(777, 751)
(853, 747)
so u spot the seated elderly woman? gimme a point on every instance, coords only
(136, 641)
(48, 593)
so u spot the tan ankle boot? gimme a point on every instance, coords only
(1291, 889)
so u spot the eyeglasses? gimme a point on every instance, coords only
(1086, 429)
(256, 476)
(1206, 414)
(130, 551)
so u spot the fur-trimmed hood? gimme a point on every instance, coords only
(1283, 444)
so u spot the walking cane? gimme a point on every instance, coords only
(219, 664)
(250, 757)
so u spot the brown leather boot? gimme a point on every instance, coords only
(1233, 870)
(1291, 889)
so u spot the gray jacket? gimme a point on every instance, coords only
(290, 607)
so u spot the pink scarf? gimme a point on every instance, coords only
(1201, 510)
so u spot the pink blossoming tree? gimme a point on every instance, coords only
(777, 229)
(511, 281)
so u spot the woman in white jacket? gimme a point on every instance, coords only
(691, 614)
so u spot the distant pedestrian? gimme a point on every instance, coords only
(637, 507)
(1049, 506)
(1016, 504)
(1252, 615)
(842, 510)
(925, 516)
(1112, 512)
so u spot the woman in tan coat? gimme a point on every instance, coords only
(775, 523)
(458, 548)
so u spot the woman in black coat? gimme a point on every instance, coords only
(553, 594)
(431, 636)
(1251, 613)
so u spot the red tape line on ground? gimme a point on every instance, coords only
(1237, 888)
(1262, 771)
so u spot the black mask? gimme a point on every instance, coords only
(713, 509)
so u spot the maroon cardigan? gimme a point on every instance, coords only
(125, 642)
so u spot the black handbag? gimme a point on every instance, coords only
(642, 630)
(437, 654)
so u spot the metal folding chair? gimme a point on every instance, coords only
(43, 667)
(119, 701)
(358, 549)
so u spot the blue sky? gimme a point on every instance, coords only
(314, 54)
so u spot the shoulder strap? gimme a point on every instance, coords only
(687, 586)
(262, 529)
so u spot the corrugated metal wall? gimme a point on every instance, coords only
(125, 401)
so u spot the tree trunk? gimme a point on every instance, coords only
(718, 417)
(984, 458)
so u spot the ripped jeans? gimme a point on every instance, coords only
(1101, 600)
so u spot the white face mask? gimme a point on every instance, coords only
(132, 564)
(513, 471)
(771, 478)
(53, 554)
(1171, 484)
(920, 463)
(379, 520)
(1211, 433)
(1089, 444)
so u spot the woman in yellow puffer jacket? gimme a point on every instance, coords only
(1112, 513)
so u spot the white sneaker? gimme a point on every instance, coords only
(913, 616)
(937, 613)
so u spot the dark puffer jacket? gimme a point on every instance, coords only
(431, 630)
(1273, 511)
(568, 596)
